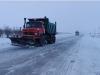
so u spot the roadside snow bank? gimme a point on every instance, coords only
(59, 36)
(4, 42)
(88, 57)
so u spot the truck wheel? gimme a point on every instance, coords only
(40, 42)
(51, 40)
(36, 44)
(54, 39)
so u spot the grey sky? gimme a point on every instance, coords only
(70, 16)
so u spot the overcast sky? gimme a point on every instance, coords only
(70, 16)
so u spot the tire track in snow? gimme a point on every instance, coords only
(45, 52)
(62, 65)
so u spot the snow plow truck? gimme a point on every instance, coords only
(35, 32)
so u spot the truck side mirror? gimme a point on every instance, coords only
(45, 17)
(20, 28)
(23, 26)
(24, 22)
(55, 23)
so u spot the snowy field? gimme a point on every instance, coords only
(70, 55)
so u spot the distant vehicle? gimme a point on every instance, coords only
(77, 33)
(36, 32)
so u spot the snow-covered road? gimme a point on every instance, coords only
(81, 59)
(87, 59)
(32, 61)
(70, 55)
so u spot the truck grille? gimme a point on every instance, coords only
(28, 33)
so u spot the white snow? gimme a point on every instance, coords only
(88, 57)
(82, 59)
(8, 52)
(70, 55)
(4, 42)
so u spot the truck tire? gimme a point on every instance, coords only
(54, 39)
(40, 42)
(51, 39)
(36, 43)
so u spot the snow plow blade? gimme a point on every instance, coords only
(20, 41)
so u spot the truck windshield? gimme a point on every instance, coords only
(33, 25)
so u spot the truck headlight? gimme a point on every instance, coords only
(35, 33)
